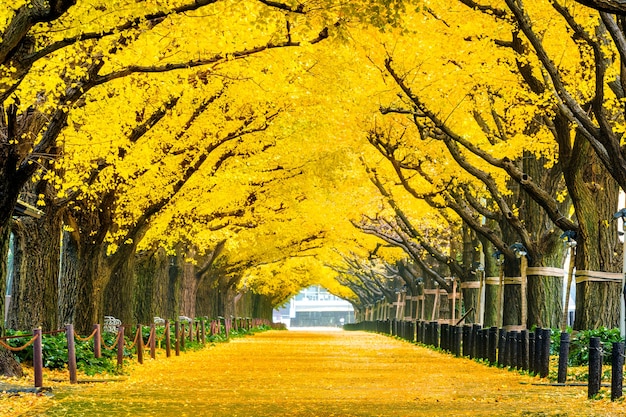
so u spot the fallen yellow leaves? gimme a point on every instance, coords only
(322, 374)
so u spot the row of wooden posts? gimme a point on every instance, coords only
(518, 349)
(196, 329)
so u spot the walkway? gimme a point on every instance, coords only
(305, 373)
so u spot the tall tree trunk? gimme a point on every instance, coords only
(595, 195)
(5, 237)
(544, 291)
(119, 290)
(189, 287)
(68, 280)
(37, 276)
(152, 271)
(93, 276)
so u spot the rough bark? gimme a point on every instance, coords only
(152, 271)
(594, 194)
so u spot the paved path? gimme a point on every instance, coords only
(295, 373)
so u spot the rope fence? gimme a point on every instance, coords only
(519, 349)
(196, 331)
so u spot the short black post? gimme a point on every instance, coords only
(501, 346)
(531, 352)
(595, 367)
(71, 353)
(435, 334)
(492, 345)
(538, 350)
(617, 371)
(458, 337)
(444, 336)
(563, 357)
(518, 357)
(467, 344)
(545, 355)
(475, 342)
(525, 356)
(511, 349)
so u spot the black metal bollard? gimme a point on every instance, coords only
(474, 350)
(501, 347)
(531, 352)
(595, 367)
(538, 350)
(545, 354)
(563, 357)
(434, 336)
(511, 349)
(444, 336)
(458, 337)
(524, 355)
(617, 370)
(492, 345)
(467, 342)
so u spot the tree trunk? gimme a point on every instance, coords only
(119, 291)
(5, 237)
(262, 307)
(68, 281)
(595, 195)
(36, 277)
(544, 291)
(93, 276)
(152, 271)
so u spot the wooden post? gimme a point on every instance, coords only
(563, 358)
(177, 335)
(182, 336)
(71, 353)
(168, 342)
(617, 370)
(595, 367)
(38, 358)
(153, 341)
(202, 331)
(139, 345)
(120, 346)
(97, 341)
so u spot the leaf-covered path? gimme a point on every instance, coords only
(303, 373)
